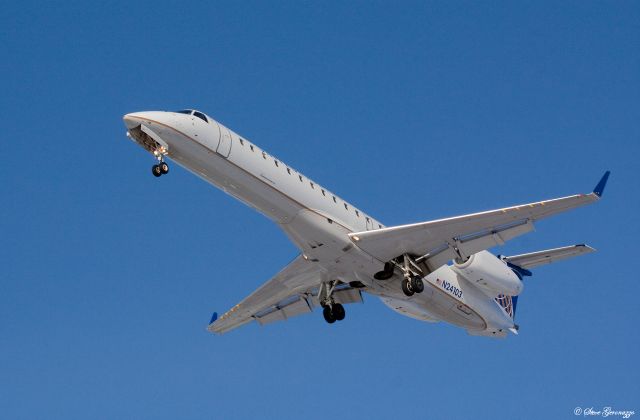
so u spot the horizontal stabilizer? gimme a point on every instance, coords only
(535, 259)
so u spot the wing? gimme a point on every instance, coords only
(293, 291)
(436, 242)
(535, 259)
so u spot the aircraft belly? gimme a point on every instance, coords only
(434, 303)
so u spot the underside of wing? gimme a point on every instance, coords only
(293, 291)
(436, 242)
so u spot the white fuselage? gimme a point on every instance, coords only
(316, 220)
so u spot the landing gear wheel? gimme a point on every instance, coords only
(164, 168)
(416, 284)
(328, 316)
(338, 311)
(406, 287)
(385, 274)
(156, 170)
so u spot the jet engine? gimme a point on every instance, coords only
(488, 272)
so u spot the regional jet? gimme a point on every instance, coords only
(437, 270)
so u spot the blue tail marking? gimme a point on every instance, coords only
(599, 189)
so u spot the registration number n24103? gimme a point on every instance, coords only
(451, 289)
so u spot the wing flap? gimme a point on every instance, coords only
(293, 307)
(548, 256)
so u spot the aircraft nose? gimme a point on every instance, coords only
(131, 120)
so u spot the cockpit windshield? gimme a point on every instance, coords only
(200, 115)
(194, 113)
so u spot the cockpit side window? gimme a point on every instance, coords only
(185, 111)
(201, 116)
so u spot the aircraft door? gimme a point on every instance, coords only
(224, 147)
(211, 137)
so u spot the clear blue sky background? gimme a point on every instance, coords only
(108, 276)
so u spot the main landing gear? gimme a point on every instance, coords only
(333, 313)
(331, 310)
(412, 285)
(412, 274)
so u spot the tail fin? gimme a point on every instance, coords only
(509, 303)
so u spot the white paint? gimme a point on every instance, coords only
(319, 223)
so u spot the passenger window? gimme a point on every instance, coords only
(312, 187)
(264, 155)
(275, 161)
(379, 226)
(251, 147)
(357, 213)
(334, 199)
(241, 142)
(201, 116)
(346, 207)
(289, 171)
(300, 176)
(323, 193)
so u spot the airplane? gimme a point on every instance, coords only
(438, 270)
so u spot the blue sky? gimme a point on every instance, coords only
(108, 276)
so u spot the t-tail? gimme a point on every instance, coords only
(520, 264)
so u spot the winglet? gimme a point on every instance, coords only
(213, 318)
(599, 189)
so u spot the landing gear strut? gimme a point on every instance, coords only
(331, 310)
(412, 276)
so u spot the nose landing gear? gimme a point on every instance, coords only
(162, 167)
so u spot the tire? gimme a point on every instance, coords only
(385, 274)
(156, 171)
(406, 288)
(338, 312)
(417, 285)
(328, 316)
(164, 168)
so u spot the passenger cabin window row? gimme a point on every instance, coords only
(311, 184)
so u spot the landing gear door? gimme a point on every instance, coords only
(224, 147)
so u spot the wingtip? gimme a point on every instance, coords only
(586, 247)
(599, 189)
(214, 316)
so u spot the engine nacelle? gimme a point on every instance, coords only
(488, 272)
